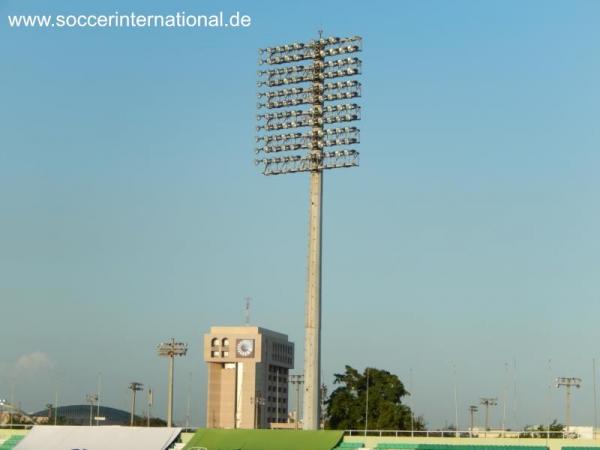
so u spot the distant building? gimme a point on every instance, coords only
(247, 377)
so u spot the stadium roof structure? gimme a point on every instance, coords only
(219, 439)
(98, 438)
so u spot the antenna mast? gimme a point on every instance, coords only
(248, 300)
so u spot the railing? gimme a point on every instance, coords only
(508, 434)
(16, 426)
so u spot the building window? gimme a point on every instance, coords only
(225, 342)
(225, 354)
(215, 353)
(215, 342)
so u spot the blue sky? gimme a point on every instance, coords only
(131, 211)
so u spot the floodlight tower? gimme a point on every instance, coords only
(472, 411)
(91, 399)
(568, 383)
(300, 111)
(135, 387)
(487, 402)
(171, 349)
(297, 380)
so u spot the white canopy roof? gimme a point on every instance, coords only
(98, 438)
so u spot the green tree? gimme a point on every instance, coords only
(346, 406)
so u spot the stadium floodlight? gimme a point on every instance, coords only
(171, 349)
(472, 410)
(568, 383)
(91, 399)
(304, 103)
(487, 402)
(134, 386)
(297, 380)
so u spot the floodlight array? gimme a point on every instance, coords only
(326, 138)
(305, 95)
(303, 119)
(172, 349)
(320, 48)
(297, 163)
(300, 74)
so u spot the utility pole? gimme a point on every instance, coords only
(135, 387)
(487, 402)
(472, 410)
(297, 380)
(171, 349)
(568, 383)
(306, 64)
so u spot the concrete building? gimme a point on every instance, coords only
(247, 377)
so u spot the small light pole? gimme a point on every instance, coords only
(323, 400)
(259, 401)
(297, 380)
(135, 387)
(472, 410)
(91, 399)
(367, 404)
(568, 383)
(487, 402)
(150, 401)
(49, 406)
(171, 349)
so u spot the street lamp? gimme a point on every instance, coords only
(171, 349)
(306, 102)
(135, 387)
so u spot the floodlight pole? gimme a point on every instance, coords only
(150, 401)
(171, 349)
(568, 383)
(91, 399)
(312, 344)
(135, 387)
(297, 380)
(281, 95)
(472, 410)
(487, 402)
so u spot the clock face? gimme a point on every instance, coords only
(245, 348)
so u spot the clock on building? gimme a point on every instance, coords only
(245, 348)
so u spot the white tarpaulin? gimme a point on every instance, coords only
(98, 438)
